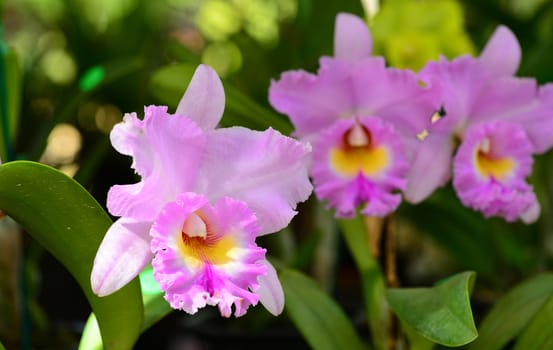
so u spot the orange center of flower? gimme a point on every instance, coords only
(489, 166)
(357, 154)
(198, 245)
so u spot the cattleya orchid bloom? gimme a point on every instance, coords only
(362, 119)
(499, 120)
(205, 195)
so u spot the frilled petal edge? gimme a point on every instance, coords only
(265, 169)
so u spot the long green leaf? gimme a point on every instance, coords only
(539, 333)
(322, 323)
(64, 218)
(355, 235)
(441, 313)
(155, 308)
(513, 312)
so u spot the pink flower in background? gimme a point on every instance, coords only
(500, 121)
(362, 119)
(205, 194)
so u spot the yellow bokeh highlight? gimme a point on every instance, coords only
(350, 161)
(498, 168)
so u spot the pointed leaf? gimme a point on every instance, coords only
(155, 308)
(64, 218)
(441, 313)
(513, 312)
(539, 333)
(321, 322)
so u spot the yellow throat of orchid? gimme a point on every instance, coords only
(198, 246)
(357, 154)
(489, 166)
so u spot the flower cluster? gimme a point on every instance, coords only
(379, 131)
(205, 195)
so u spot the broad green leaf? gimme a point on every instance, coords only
(539, 333)
(319, 319)
(155, 308)
(169, 83)
(513, 312)
(64, 218)
(441, 313)
(355, 235)
(2, 347)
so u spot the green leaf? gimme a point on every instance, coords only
(64, 218)
(320, 320)
(513, 312)
(2, 347)
(441, 313)
(355, 235)
(169, 83)
(155, 308)
(539, 333)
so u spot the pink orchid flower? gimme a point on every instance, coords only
(362, 119)
(500, 121)
(205, 195)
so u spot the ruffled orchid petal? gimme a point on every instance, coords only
(157, 140)
(264, 169)
(352, 39)
(204, 99)
(221, 268)
(490, 170)
(270, 290)
(123, 253)
(348, 174)
(430, 166)
(502, 53)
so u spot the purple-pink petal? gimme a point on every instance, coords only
(264, 169)
(499, 189)
(376, 179)
(204, 99)
(502, 53)
(270, 290)
(220, 268)
(430, 166)
(123, 253)
(352, 39)
(172, 146)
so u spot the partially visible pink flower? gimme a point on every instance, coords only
(246, 183)
(477, 93)
(490, 170)
(362, 119)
